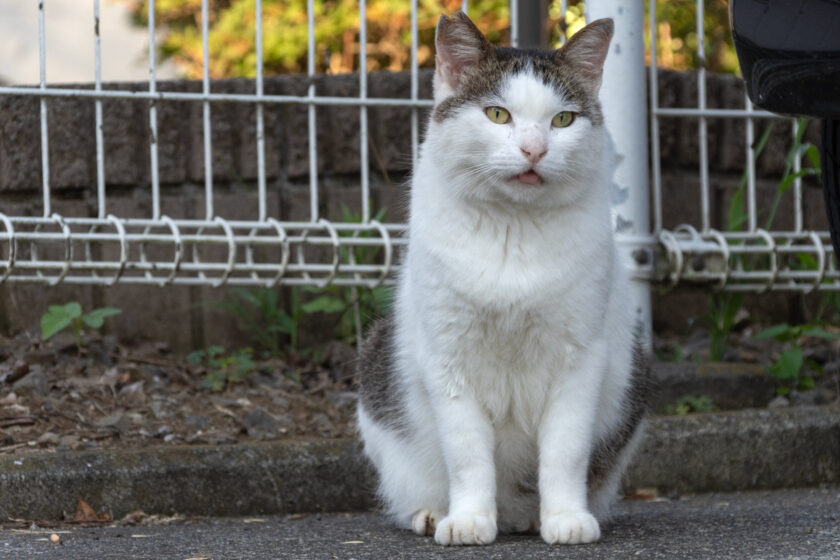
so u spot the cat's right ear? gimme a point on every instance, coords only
(459, 45)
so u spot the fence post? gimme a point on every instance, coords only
(624, 101)
(531, 20)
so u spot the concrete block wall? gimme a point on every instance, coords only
(175, 314)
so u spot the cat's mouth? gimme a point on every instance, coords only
(530, 177)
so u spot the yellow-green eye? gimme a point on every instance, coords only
(563, 119)
(497, 115)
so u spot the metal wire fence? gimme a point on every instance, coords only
(263, 251)
(749, 259)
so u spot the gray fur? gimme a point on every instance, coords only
(606, 455)
(378, 387)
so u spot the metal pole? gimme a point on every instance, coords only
(531, 32)
(623, 97)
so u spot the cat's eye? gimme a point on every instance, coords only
(497, 114)
(563, 119)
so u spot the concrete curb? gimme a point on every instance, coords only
(742, 450)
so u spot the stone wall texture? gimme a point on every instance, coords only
(174, 314)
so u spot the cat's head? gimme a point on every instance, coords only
(515, 125)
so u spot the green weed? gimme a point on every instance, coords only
(689, 404)
(223, 370)
(791, 370)
(60, 317)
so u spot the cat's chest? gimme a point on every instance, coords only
(506, 358)
(510, 262)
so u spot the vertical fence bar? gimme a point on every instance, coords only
(563, 9)
(313, 148)
(702, 129)
(100, 157)
(260, 120)
(752, 214)
(513, 6)
(656, 164)
(465, 7)
(153, 131)
(624, 102)
(797, 183)
(415, 137)
(205, 88)
(45, 148)
(363, 120)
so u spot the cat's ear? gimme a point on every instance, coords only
(587, 50)
(459, 45)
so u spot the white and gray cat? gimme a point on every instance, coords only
(506, 391)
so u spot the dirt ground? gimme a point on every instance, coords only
(54, 396)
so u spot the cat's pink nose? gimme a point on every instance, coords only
(534, 153)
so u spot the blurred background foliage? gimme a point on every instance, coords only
(232, 25)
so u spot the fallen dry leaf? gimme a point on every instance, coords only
(86, 514)
(642, 494)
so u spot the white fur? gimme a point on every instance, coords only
(514, 331)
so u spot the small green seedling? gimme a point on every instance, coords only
(688, 404)
(223, 370)
(791, 370)
(59, 317)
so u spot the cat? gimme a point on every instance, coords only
(506, 389)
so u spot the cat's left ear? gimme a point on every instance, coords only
(459, 45)
(586, 51)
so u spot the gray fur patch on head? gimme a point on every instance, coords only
(379, 390)
(605, 457)
(574, 71)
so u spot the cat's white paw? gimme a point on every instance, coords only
(425, 521)
(570, 528)
(466, 528)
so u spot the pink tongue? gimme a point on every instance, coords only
(529, 177)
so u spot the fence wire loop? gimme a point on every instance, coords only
(724, 250)
(774, 259)
(10, 231)
(386, 265)
(674, 254)
(284, 258)
(815, 238)
(123, 248)
(179, 249)
(68, 249)
(231, 251)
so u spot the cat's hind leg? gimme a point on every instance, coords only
(413, 483)
(412, 477)
(614, 451)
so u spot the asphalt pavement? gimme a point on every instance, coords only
(748, 525)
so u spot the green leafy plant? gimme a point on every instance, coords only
(791, 370)
(689, 404)
(670, 354)
(260, 314)
(60, 317)
(223, 370)
(724, 307)
(260, 311)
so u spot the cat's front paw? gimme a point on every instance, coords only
(466, 528)
(425, 521)
(570, 527)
